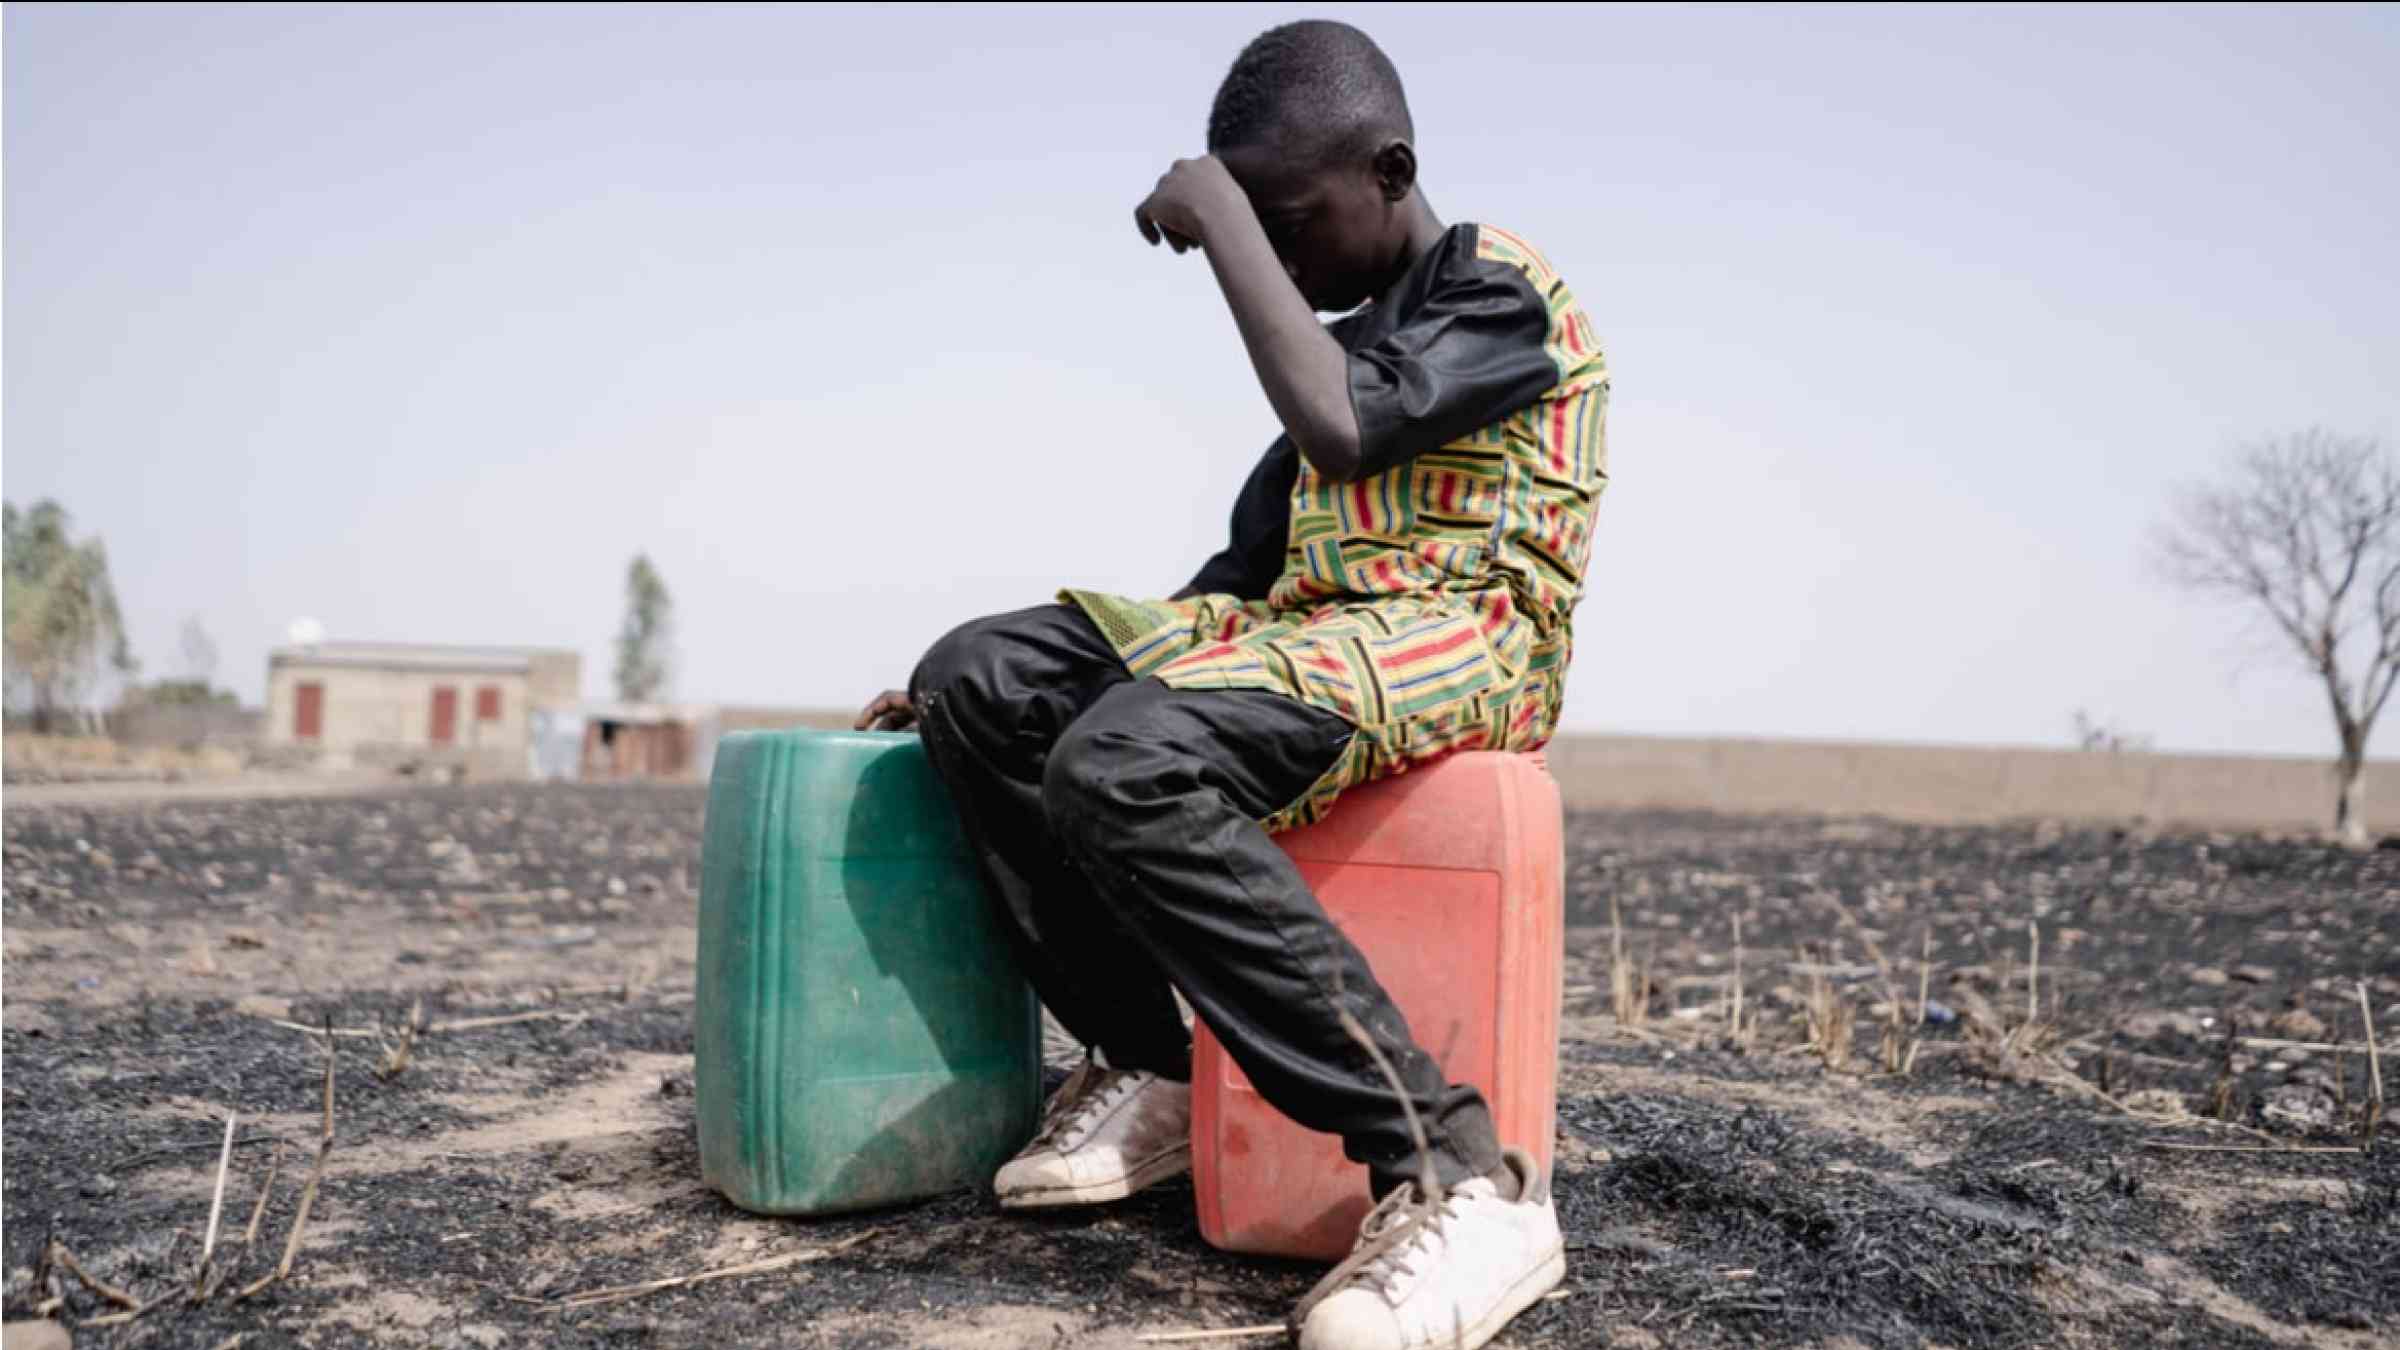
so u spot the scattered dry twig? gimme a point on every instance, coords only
(308, 1192)
(1214, 1334)
(438, 1028)
(2374, 1118)
(65, 1259)
(1744, 1027)
(266, 1190)
(1829, 1018)
(1281, 1329)
(1925, 975)
(509, 1020)
(327, 1030)
(118, 1319)
(1628, 996)
(216, 1210)
(1900, 1042)
(2242, 1148)
(1427, 1179)
(619, 1293)
(2270, 1043)
(394, 1060)
(2033, 974)
(172, 1149)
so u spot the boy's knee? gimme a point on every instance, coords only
(959, 663)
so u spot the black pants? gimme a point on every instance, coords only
(1116, 822)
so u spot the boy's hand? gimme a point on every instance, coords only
(1190, 194)
(891, 711)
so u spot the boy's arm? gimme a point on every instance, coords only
(1473, 351)
(1305, 373)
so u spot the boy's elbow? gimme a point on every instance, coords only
(1333, 452)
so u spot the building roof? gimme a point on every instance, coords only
(647, 714)
(414, 656)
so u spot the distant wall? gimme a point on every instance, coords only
(154, 724)
(1933, 783)
(1958, 783)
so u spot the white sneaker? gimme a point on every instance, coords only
(1424, 1275)
(1106, 1134)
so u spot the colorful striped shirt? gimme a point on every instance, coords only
(1429, 600)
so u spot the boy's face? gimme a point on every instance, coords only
(1335, 228)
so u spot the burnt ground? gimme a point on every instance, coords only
(2008, 1190)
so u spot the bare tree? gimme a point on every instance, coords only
(199, 651)
(2306, 529)
(2093, 734)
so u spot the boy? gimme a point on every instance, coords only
(1403, 565)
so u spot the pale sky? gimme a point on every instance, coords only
(421, 321)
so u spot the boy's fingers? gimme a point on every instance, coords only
(891, 708)
(1141, 221)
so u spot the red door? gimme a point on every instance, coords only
(308, 719)
(445, 715)
(487, 703)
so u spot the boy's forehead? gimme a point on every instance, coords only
(1276, 179)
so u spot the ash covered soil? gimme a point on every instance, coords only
(1772, 1186)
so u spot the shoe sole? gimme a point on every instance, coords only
(1156, 1170)
(1526, 1292)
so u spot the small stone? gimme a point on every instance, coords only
(99, 1184)
(2142, 1026)
(2156, 1101)
(2254, 974)
(2209, 976)
(2309, 1108)
(2298, 1024)
(616, 885)
(35, 1334)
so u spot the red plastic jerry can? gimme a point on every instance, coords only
(1450, 879)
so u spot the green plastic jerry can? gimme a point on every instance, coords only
(863, 1034)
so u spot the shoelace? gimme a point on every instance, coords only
(1392, 1234)
(1087, 1092)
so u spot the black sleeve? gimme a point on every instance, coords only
(1262, 524)
(1471, 353)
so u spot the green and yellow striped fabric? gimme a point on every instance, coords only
(1430, 605)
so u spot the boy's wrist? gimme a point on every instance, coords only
(1221, 204)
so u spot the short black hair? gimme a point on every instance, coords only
(1315, 88)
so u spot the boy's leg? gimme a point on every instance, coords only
(992, 698)
(1157, 793)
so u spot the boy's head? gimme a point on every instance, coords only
(1312, 123)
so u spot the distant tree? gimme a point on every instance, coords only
(199, 651)
(2093, 734)
(2305, 528)
(63, 627)
(181, 694)
(645, 643)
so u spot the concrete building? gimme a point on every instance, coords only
(402, 704)
(647, 741)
